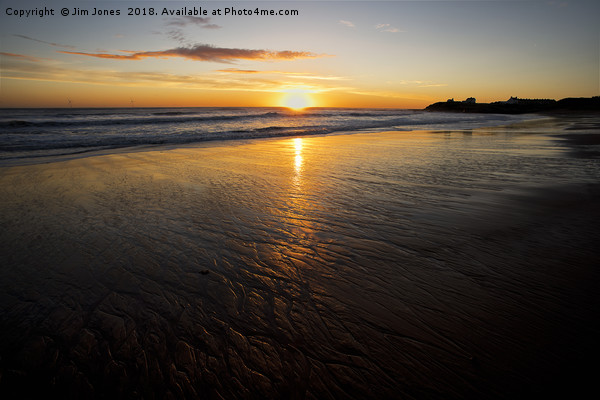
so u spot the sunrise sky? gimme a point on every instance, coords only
(404, 54)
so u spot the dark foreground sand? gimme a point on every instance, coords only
(393, 265)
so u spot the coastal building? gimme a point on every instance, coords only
(516, 100)
(470, 100)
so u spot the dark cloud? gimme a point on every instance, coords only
(177, 35)
(199, 21)
(43, 41)
(204, 52)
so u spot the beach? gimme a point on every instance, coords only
(414, 265)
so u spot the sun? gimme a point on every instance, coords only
(297, 100)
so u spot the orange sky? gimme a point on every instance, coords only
(355, 54)
(55, 94)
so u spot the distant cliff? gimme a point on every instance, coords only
(520, 106)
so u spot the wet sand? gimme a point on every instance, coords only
(392, 265)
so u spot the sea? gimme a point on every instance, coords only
(38, 133)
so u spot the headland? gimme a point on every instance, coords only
(515, 105)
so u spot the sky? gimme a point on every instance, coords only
(400, 54)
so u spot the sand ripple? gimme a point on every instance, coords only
(367, 266)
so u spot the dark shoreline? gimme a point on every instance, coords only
(563, 106)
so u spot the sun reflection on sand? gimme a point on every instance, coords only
(298, 161)
(300, 200)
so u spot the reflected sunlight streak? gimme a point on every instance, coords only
(298, 161)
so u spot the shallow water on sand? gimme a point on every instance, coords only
(391, 265)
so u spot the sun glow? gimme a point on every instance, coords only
(297, 100)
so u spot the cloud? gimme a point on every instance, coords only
(21, 68)
(347, 23)
(421, 84)
(433, 85)
(199, 21)
(387, 28)
(179, 23)
(294, 75)
(21, 56)
(240, 71)
(205, 52)
(43, 41)
(177, 35)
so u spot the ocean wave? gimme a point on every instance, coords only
(15, 124)
(134, 121)
(29, 131)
